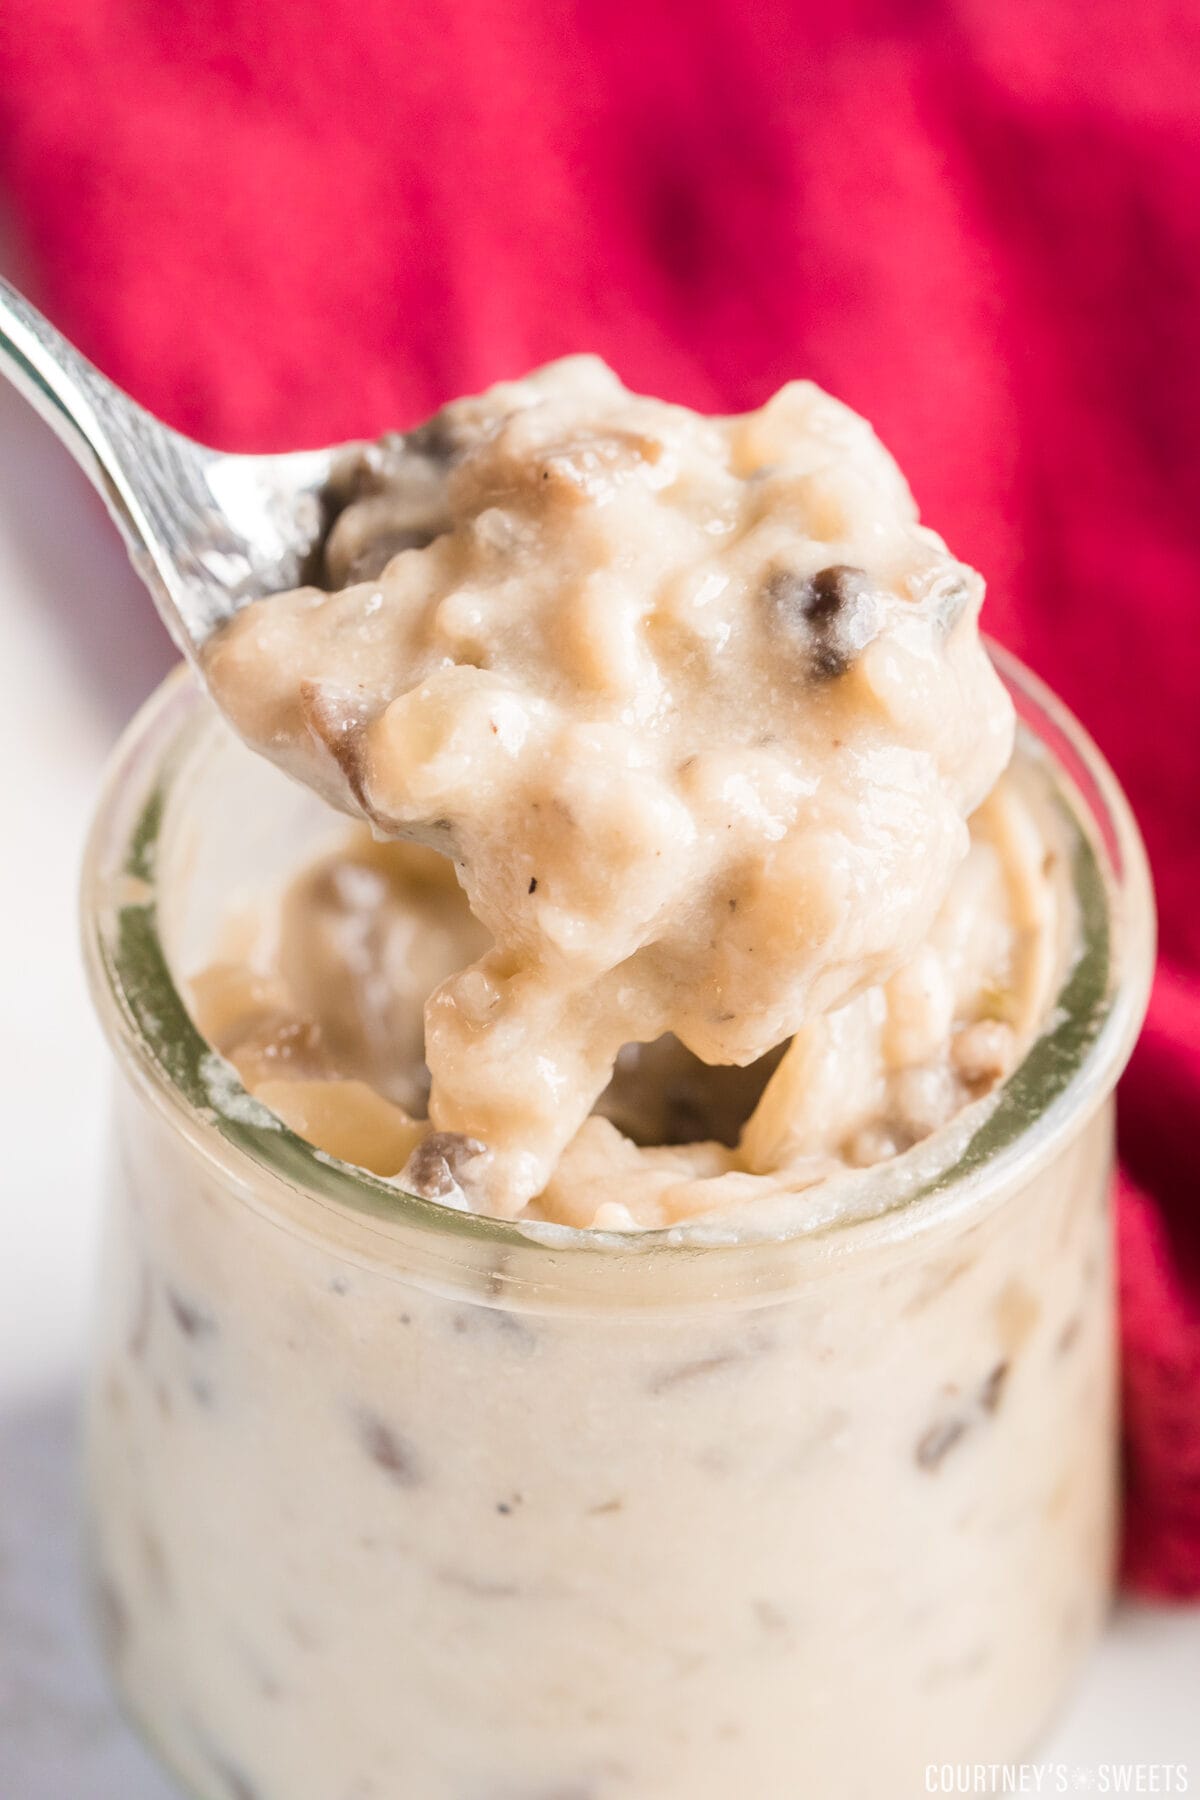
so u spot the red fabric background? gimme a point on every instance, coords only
(288, 221)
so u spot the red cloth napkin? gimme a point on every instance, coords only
(289, 221)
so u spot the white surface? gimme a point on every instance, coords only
(79, 648)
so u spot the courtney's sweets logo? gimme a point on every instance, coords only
(1057, 1778)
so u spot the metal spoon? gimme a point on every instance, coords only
(205, 531)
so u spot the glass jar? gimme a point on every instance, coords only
(388, 1500)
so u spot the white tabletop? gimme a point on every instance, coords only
(79, 647)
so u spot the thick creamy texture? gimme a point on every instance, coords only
(363, 1533)
(317, 1003)
(389, 1502)
(699, 710)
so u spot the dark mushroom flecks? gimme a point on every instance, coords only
(389, 1451)
(443, 1164)
(834, 614)
(381, 499)
(941, 1437)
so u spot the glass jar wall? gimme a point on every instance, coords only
(387, 1499)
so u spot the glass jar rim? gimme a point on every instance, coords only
(1067, 1072)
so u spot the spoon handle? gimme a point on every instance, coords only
(102, 427)
(79, 404)
(127, 454)
(204, 530)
